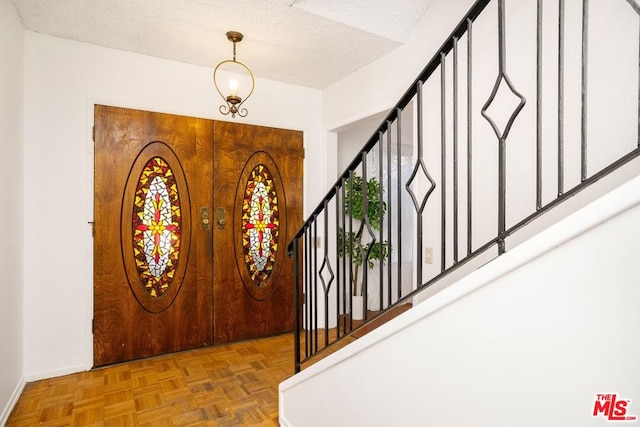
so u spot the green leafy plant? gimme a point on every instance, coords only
(350, 243)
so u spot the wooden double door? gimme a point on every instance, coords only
(191, 222)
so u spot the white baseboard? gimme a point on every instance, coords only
(55, 373)
(12, 402)
(284, 422)
(4, 416)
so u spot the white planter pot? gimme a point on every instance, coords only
(357, 310)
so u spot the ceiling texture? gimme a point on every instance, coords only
(311, 43)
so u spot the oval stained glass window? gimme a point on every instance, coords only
(260, 224)
(156, 226)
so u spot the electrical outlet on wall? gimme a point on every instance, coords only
(428, 255)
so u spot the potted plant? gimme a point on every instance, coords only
(356, 244)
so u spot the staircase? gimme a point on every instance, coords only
(500, 197)
(527, 112)
(531, 339)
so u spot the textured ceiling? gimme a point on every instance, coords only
(305, 42)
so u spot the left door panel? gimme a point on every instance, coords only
(152, 242)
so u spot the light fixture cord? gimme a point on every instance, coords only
(234, 51)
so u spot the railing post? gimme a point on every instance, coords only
(339, 251)
(365, 224)
(443, 165)
(381, 222)
(539, 105)
(469, 138)
(502, 151)
(351, 286)
(296, 310)
(399, 196)
(314, 290)
(583, 92)
(389, 213)
(502, 197)
(560, 98)
(419, 143)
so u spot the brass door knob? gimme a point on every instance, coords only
(204, 218)
(220, 218)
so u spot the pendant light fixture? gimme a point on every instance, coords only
(237, 92)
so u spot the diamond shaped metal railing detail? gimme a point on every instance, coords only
(501, 82)
(326, 267)
(420, 167)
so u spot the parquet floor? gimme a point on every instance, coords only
(228, 385)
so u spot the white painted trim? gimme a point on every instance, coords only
(284, 422)
(88, 345)
(12, 401)
(282, 417)
(601, 210)
(55, 373)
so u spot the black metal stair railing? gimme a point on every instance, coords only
(468, 193)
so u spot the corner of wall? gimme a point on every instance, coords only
(12, 51)
(4, 415)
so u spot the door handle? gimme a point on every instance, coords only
(220, 218)
(204, 218)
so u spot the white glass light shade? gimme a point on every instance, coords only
(238, 83)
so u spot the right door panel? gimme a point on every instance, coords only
(257, 208)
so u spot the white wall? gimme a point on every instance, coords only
(11, 171)
(529, 340)
(63, 79)
(353, 137)
(379, 85)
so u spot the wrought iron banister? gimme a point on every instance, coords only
(389, 209)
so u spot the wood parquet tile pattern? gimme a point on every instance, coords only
(227, 385)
